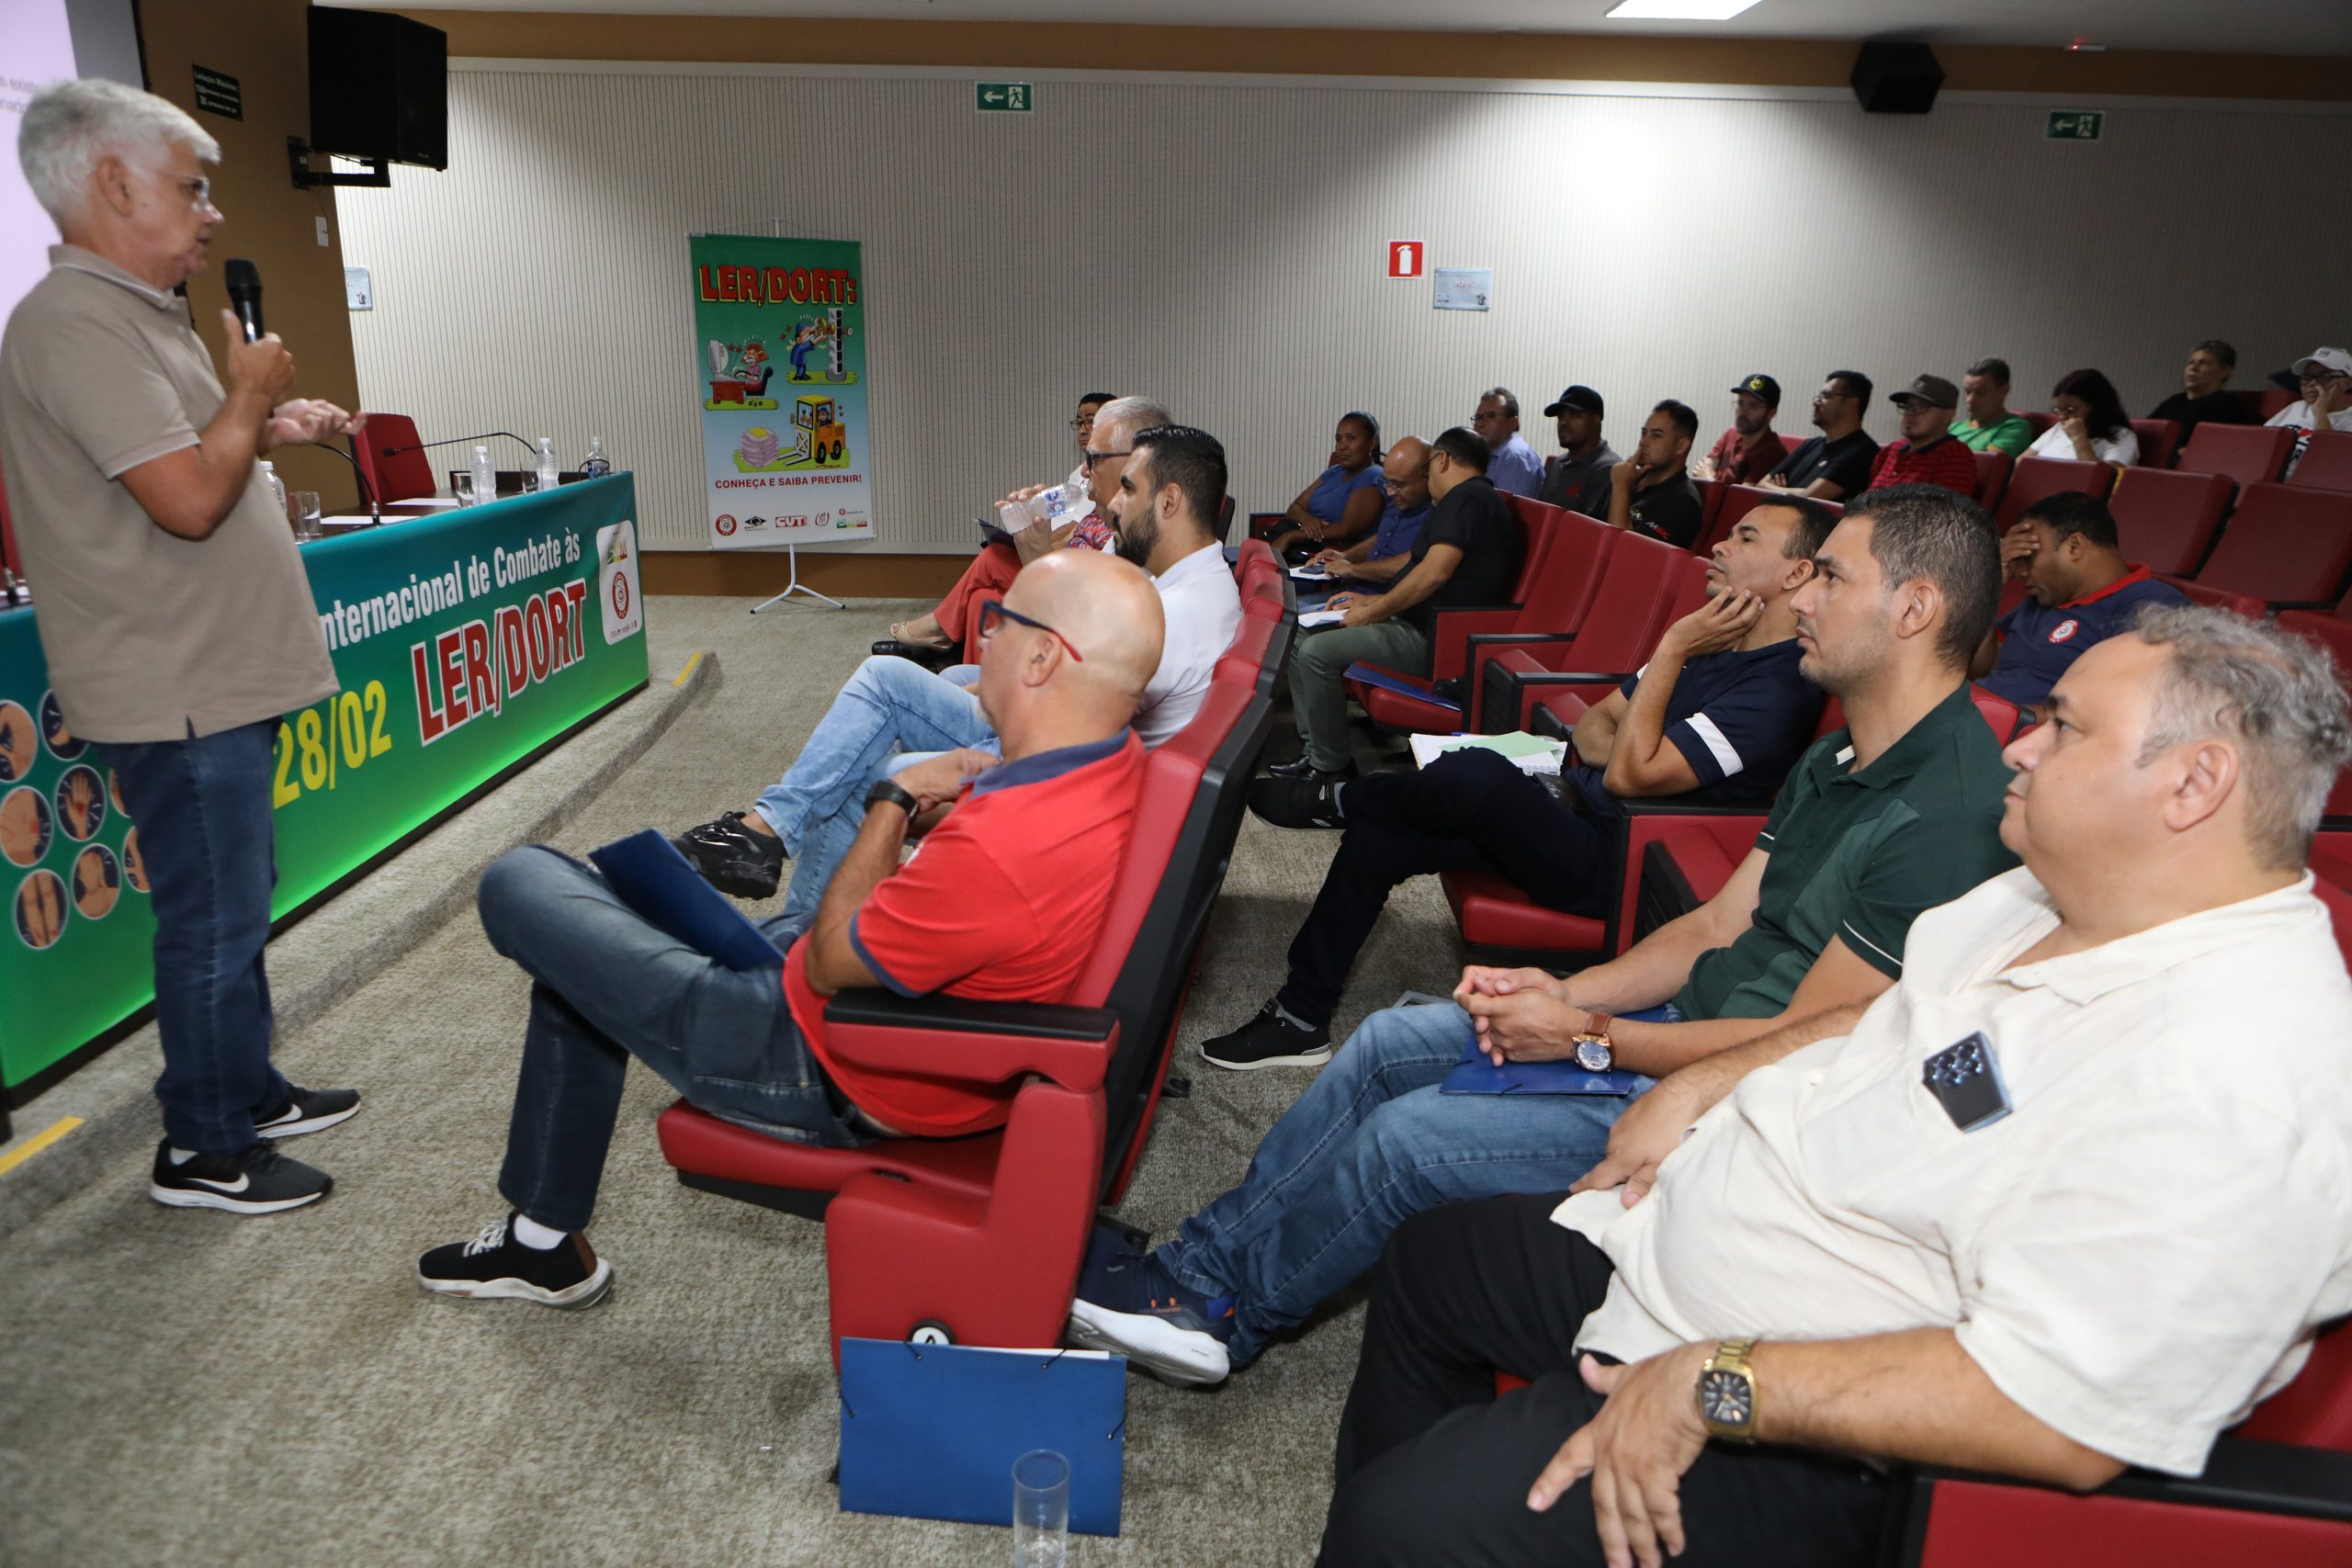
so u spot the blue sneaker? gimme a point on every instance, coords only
(1130, 1303)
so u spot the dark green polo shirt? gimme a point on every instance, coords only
(1858, 854)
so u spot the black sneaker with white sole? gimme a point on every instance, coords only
(738, 861)
(258, 1181)
(309, 1111)
(496, 1266)
(1268, 1039)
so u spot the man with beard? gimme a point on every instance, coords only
(1162, 497)
(1751, 447)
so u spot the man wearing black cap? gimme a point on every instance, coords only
(1578, 478)
(1836, 464)
(1929, 453)
(1751, 447)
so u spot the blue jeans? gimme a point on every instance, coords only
(1370, 1143)
(202, 807)
(889, 706)
(608, 985)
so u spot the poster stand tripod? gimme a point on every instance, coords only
(792, 555)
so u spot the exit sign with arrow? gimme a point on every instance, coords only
(2073, 125)
(1002, 97)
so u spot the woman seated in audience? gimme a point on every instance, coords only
(2092, 426)
(1344, 502)
(937, 633)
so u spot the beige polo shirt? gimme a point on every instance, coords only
(149, 637)
(2136, 1254)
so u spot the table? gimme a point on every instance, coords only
(468, 641)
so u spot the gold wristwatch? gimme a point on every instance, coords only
(1590, 1044)
(1726, 1392)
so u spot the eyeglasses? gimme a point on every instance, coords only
(1083, 422)
(1397, 487)
(993, 611)
(196, 187)
(1094, 458)
(1488, 417)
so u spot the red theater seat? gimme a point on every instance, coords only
(981, 1235)
(1645, 587)
(2168, 518)
(1992, 477)
(2328, 462)
(2159, 439)
(2244, 604)
(2037, 479)
(2244, 453)
(393, 474)
(2285, 545)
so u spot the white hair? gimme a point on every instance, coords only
(69, 126)
(1130, 414)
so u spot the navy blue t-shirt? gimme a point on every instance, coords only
(1741, 720)
(2039, 643)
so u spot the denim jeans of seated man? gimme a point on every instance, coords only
(889, 706)
(1370, 1143)
(607, 986)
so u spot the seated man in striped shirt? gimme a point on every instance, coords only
(1928, 453)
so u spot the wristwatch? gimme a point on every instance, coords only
(886, 792)
(1726, 1391)
(1592, 1050)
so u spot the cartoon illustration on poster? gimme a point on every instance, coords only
(780, 372)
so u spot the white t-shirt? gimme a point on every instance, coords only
(2055, 442)
(1202, 604)
(2136, 1254)
(2297, 417)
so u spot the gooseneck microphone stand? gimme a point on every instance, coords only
(366, 490)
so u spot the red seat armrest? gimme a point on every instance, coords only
(968, 1042)
(1450, 641)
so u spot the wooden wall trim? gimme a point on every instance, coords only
(724, 573)
(1783, 62)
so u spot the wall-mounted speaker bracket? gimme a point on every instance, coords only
(298, 155)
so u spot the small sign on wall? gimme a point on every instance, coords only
(2073, 125)
(1000, 97)
(358, 290)
(1465, 288)
(218, 93)
(1407, 258)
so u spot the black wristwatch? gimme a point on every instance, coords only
(885, 792)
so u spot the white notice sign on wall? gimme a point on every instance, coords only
(1465, 288)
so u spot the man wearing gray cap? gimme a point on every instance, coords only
(2326, 376)
(1578, 478)
(1929, 453)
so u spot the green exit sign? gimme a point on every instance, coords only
(1002, 97)
(2073, 125)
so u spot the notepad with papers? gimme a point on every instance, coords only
(1529, 753)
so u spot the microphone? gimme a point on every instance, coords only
(531, 447)
(367, 492)
(243, 279)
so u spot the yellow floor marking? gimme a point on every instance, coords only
(684, 674)
(37, 1142)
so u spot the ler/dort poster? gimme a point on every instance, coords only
(779, 363)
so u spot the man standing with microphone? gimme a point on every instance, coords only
(175, 612)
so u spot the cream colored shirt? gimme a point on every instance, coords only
(2136, 1254)
(147, 636)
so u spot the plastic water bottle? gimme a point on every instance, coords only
(595, 465)
(276, 489)
(551, 471)
(485, 476)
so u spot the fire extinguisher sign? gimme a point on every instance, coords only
(1407, 258)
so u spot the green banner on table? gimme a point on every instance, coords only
(788, 449)
(464, 643)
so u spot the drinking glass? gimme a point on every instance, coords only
(1040, 1510)
(306, 514)
(461, 485)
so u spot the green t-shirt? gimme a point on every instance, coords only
(2012, 435)
(1857, 855)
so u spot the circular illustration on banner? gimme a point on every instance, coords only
(114, 793)
(620, 596)
(81, 802)
(24, 825)
(134, 868)
(97, 882)
(41, 909)
(61, 742)
(17, 747)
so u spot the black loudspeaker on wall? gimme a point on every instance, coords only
(1898, 78)
(380, 87)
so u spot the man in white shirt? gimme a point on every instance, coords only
(2069, 1197)
(1162, 499)
(2326, 376)
(1511, 463)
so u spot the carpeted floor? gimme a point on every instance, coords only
(184, 1387)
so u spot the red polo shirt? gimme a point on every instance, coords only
(1002, 902)
(1736, 467)
(1944, 461)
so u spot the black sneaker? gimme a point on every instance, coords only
(494, 1266)
(732, 858)
(1298, 803)
(1302, 768)
(1131, 1304)
(258, 1181)
(1268, 1039)
(310, 1110)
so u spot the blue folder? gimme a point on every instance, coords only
(1403, 684)
(931, 1431)
(652, 877)
(1477, 1075)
